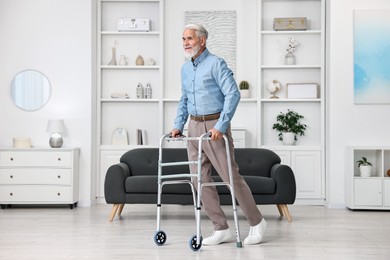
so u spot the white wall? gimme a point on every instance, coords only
(54, 37)
(348, 124)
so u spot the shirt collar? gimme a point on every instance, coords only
(200, 58)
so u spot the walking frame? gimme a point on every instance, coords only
(195, 242)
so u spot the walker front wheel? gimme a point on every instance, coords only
(194, 245)
(160, 238)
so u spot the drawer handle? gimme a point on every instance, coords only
(59, 176)
(11, 194)
(59, 159)
(11, 176)
(59, 194)
(11, 158)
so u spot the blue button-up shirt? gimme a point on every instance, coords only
(208, 87)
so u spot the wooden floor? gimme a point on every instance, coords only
(85, 233)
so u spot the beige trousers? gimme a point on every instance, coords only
(214, 153)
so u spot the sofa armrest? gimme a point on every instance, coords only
(285, 183)
(114, 184)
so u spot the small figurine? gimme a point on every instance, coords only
(148, 91)
(140, 91)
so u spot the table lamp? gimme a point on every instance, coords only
(55, 127)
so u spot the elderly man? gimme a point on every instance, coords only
(210, 97)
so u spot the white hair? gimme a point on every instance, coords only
(199, 30)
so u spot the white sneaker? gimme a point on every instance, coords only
(218, 237)
(256, 233)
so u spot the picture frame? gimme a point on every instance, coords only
(302, 90)
(119, 136)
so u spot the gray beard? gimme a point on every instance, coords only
(189, 55)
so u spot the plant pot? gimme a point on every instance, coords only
(365, 170)
(288, 138)
(245, 93)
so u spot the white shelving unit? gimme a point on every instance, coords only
(306, 157)
(129, 113)
(371, 192)
(252, 123)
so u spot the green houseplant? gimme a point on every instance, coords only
(289, 122)
(244, 89)
(244, 85)
(365, 167)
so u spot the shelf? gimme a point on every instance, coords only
(130, 33)
(290, 67)
(241, 100)
(128, 100)
(117, 67)
(269, 100)
(293, 147)
(291, 32)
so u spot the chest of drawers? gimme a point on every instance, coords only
(39, 176)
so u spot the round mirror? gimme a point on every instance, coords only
(30, 90)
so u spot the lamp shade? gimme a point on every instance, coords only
(55, 126)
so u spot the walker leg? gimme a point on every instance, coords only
(238, 238)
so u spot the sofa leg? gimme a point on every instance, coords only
(280, 209)
(120, 209)
(286, 212)
(113, 211)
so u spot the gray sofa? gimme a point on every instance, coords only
(134, 179)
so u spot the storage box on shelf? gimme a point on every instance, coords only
(307, 156)
(39, 176)
(373, 191)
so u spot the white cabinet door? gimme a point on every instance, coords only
(386, 191)
(306, 166)
(368, 192)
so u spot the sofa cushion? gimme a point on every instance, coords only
(148, 184)
(257, 184)
(144, 161)
(255, 161)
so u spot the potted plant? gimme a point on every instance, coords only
(289, 126)
(244, 89)
(365, 167)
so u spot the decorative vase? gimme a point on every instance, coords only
(288, 138)
(365, 170)
(150, 62)
(123, 60)
(113, 58)
(139, 61)
(289, 59)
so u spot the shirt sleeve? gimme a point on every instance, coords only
(182, 111)
(224, 78)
